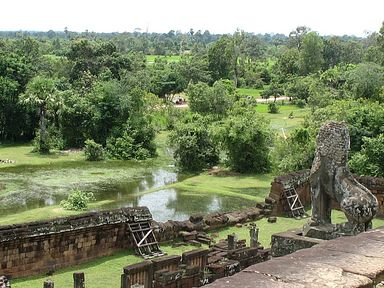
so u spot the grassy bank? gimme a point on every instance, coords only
(248, 187)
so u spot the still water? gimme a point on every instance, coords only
(141, 190)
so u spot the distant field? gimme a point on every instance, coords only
(281, 120)
(171, 58)
(249, 92)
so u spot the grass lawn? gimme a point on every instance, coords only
(170, 58)
(281, 121)
(249, 92)
(249, 187)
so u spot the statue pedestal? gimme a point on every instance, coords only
(331, 231)
(325, 232)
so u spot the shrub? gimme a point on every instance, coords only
(194, 148)
(246, 138)
(272, 108)
(370, 160)
(77, 200)
(294, 153)
(121, 147)
(299, 103)
(93, 151)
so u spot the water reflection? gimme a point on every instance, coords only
(164, 204)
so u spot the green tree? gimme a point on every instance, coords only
(295, 39)
(300, 88)
(193, 146)
(221, 58)
(287, 65)
(294, 153)
(246, 138)
(370, 160)
(366, 81)
(210, 100)
(364, 119)
(41, 92)
(311, 54)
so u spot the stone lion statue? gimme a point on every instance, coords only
(331, 179)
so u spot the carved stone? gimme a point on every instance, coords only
(330, 178)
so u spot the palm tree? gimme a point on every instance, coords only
(41, 92)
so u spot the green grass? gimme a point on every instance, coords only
(170, 58)
(281, 120)
(22, 155)
(248, 187)
(249, 92)
(45, 213)
(97, 272)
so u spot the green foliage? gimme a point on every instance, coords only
(299, 88)
(273, 90)
(221, 58)
(93, 151)
(294, 153)
(53, 140)
(370, 160)
(134, 141)
(311, 55)
(366, 81)
(215, 100)
(41, 92)
(77, 200)
(273, 108)
(287, 65)
(364, 118)
(246, 138)
(193, 146)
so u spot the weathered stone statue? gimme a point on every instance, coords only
(331, 180)
(4, 283)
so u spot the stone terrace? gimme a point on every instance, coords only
(355, 261)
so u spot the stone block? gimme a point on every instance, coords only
(290, 241)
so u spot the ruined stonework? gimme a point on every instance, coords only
(331, 179)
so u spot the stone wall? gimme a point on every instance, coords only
(38, 247)
(300, 180)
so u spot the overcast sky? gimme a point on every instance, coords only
(328, 17)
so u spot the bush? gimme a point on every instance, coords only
(194, 148)
(273, 108)
(135, 141)
(215, 100)
(121, 147)
(77, 200)
(246, 138)
(370, 160)
(294, 153)
(299, 103)
(54, 140)
(93, 151)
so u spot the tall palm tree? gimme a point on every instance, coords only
(41, 92)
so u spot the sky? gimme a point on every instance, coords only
(327, 17)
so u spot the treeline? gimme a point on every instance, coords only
(62, 89)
